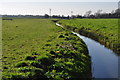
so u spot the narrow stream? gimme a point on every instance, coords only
(104, 60)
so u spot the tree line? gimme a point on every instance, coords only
(100, 14)
(88, 14)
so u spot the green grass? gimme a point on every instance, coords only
(22, 37)
(103, 30)
(36, 48)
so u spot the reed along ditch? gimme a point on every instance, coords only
(104, 61)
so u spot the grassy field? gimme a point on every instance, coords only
(37, 48)
(104, 31)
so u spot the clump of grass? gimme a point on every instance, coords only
(46, 60)
(25, 73)
(22, 64)
(30, 58)
(25, 69)
(61, 36)
(37, 64)
(47, 44)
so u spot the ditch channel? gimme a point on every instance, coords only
(104, 61)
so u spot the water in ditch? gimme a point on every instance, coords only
(104, 60)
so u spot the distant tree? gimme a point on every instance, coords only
(78, 16)
(98, 13)
(46, 16)
(113, 11)
(59, 16)
(68, 17)
(92, 16)
(55, 16)
(117, 11)
(88, 13)
(63, 16)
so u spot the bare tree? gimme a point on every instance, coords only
(113, 11)
(98, 12)
(88, 13)
(117, 11)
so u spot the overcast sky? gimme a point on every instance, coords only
(64, 7)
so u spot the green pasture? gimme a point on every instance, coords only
(37, 48)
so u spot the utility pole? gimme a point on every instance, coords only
(71, 14)
(50, 14)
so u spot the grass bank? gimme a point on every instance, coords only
(104, 31)
(37, 48)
